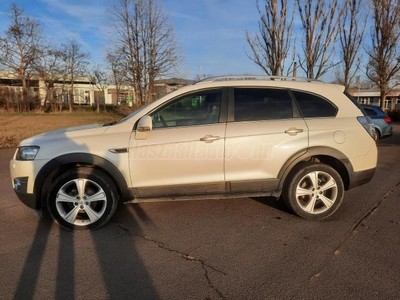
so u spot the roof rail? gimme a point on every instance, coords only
(256, 77)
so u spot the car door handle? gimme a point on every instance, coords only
(293, 131)
(209, 138)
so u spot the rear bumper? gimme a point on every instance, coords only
(387, 133)
(361, 177)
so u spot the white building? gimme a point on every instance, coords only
(85, 91)
(372, 97)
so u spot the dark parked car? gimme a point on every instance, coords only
(381, 121)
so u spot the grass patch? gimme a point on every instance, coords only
(16, 127)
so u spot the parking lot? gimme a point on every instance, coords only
(210, 249)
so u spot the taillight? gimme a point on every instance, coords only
(387, 119)
(366, 122)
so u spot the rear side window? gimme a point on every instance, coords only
(313, 106)
(255, 104)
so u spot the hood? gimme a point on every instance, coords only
(70, 132)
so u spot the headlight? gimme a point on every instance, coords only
(27, 153)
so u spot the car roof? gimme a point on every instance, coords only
(295, 83)
(256, 77)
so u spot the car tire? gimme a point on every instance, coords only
(313, 190)
(82, 198)
(377, 135)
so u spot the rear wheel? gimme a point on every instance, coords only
(377, 135)
(313, 190)
(82, 198)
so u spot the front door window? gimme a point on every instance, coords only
(195, 109)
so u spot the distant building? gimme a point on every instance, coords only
(85, 92)
(372, 97)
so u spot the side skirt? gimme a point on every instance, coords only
(204, 197)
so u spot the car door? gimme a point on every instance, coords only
(264, 130)
(183, 153)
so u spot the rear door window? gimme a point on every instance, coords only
(255, 104)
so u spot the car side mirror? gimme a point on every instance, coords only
(145, 125)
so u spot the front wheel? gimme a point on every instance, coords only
(82, 198)
(313, 190)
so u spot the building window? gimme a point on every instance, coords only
(122, 97)
(387, 104)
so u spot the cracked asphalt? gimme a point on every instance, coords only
(211, 249)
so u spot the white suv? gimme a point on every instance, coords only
(225, 137)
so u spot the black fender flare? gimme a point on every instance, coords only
(58, 165)
(330, 156)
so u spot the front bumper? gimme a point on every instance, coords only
(23, 174)
(20, 185)
(28, 199)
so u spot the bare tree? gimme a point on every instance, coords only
(101, 80)
(351, 35)
(50, 69)
(19, 46)
(384, 55)
(270, 47)
(320, 21)
(145, 39)
(117, 67)
(75, 61)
